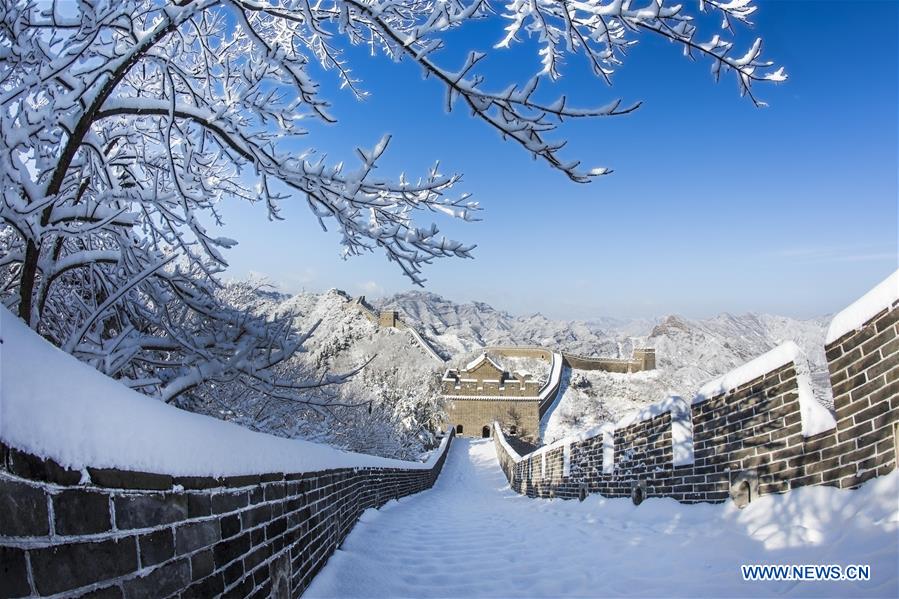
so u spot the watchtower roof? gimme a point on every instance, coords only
(479, 360)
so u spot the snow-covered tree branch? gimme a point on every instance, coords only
(124, 125)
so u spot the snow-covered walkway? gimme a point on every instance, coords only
(471, 536)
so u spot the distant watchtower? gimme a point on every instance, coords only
(482, 392)
(388, 318)
(646, 357)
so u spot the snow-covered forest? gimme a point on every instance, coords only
(388, 406)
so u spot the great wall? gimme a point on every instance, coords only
(756, 431)
(101, 532)
(139, 534)
(472, 405)
(643, 358)
(390, 319)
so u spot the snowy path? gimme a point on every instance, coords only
(471, 536)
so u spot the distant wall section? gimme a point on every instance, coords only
(643, 359)
(391, 319)
(523, 351)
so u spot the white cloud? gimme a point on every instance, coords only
(303, 277)
(858, 253)
(370, 288)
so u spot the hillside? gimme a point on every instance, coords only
(465, 327)
(80, 417)
(390, 406)
(689, 351)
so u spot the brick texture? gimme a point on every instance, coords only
(753, 431)
(123, 536)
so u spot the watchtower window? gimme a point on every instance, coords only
(513, 430)
(485, 432)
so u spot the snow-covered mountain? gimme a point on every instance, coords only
(465, 327)
(701, 349)
(400, 380)
(710, 346)
(688, 351)
(389, 407)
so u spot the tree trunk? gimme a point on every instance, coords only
(26, 283)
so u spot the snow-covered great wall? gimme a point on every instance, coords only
(754, 431)
(105, 492)
(392, 319)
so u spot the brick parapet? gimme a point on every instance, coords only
(864, 374)
(133, 534)
(753, 432)
(643, 359)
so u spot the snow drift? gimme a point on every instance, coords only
(484, 540)
(53, 406)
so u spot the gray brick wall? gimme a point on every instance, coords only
(131, 534)
(754, 430)
(864, 373)
(473, 415)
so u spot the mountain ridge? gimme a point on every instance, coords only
(689, 351)
(400, 381)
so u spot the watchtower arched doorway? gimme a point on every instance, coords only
(485, 432)
(458, 429)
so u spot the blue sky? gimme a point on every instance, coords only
(714, 205)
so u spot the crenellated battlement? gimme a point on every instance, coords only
(754, 431)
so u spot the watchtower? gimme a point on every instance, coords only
(483, 391)
(646, 358)
(388, 318)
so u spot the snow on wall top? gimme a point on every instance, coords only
(779, 356)
(669, 404)
(681, 433)
(425, 344)
(498, 433)
(53, 406)
(477, 362)
(864, 309)
(815, 417)
(555, 376)
(681, 422)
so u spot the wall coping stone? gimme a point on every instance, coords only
(864, 309)
(816, 418)
(44, 470)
